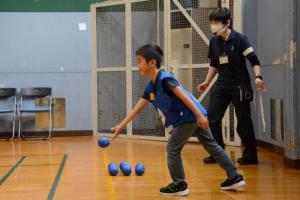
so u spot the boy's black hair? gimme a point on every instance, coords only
(220, 14)
(150, 52)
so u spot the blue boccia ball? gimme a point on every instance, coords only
(103, 141)
(126, 169)
(113, 169)
(139, 169)
(122, 164)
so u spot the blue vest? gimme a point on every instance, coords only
(172, 110)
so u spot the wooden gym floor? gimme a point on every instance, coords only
(76, 168)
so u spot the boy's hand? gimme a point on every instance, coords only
(202, 122)
(116, 130)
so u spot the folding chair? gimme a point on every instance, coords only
(8, 104)
(28, 105)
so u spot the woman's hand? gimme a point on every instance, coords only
(260, 84)
(202, 86)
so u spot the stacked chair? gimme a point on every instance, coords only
(26, 104)
(8, 105)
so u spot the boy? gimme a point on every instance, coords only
(183, 116)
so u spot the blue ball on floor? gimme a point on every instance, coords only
(125, 168)
(139, 169)
(122, 164)
(113, 169)
(103, 142)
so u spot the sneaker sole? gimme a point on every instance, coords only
(234, 186)
(210, 162)
(181, 193)
(249, 163)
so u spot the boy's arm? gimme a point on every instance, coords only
(201, 120)
(137, 108)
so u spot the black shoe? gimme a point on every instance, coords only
(209, 160)
(233, 184)
(175, 190)
(247, 161)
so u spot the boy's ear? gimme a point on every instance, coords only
(152, 62)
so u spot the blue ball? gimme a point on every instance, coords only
(139, 169)
(122, 164)
(103, 142)
(126, 169)
(113, 169)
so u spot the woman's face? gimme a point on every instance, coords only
(217, 27)
(215, 22)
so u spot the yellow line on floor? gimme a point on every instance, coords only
(109, 180)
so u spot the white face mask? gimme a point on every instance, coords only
(217, 29)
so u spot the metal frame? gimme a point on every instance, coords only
(129, 69)
(178, 67)
(128, 63)
(226, 129)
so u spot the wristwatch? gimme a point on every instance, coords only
(259, 76)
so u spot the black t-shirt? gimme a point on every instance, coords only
(233, 73)
(167, 83)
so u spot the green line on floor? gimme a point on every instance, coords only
(57, 178)
(11, 170)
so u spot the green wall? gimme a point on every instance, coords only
(46, 5)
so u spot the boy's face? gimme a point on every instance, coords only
(144, 66)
